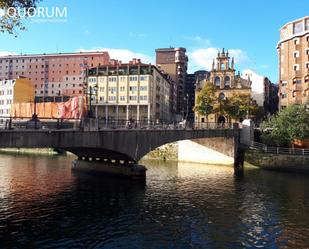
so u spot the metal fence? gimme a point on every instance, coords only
(18, 123)
(279, 150)
(41, 123)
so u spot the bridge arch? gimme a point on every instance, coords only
(128, 145)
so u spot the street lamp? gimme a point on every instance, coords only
(187, 113)
(90, 93)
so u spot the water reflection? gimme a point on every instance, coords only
(182, 205)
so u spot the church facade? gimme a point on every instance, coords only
(226, 82)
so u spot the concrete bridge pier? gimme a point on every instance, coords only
(238, 152)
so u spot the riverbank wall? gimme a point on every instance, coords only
(279, 162)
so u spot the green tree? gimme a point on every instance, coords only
(290, 124)
(11, 23)
(239, 105)
(205, 100)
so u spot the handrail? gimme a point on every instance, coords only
(10, 123)
(278, 150)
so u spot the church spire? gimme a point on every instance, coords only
(213, 64)
(232, 63)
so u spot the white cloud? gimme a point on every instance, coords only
(137, 35)
(125, 55)
(199, 41)
(202, 58)
(5, 53)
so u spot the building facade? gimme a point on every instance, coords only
(174, 62)
(226, 82)
(262, 91)
(190, 85)
(293, 53)
(131, 91)
(19, 90)
(52, 75)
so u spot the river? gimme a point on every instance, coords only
(182, 205)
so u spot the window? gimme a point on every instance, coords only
(296, 81)
(133, 97)
(227, 81)
(143, 77)
(142, 97)
(133, 78)
(122, 98)
(217, 81)
(143, 88)
(307, 26)
(122, 88)
(112, 79)
(284, 95)
(221, 96)
(101, 89)
(296, 54)
(133, 88)
(296, 41)
(297, 27)
(111, 98)
(296, 67)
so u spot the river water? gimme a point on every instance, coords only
(182, 205)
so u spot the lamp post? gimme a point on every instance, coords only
(90, 93)
(187, 109)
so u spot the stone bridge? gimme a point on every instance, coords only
(120, 144)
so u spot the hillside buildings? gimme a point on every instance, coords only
(130, 91)
(54, 76)
(293, 53)
(174, 62)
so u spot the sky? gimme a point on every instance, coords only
(135, 28)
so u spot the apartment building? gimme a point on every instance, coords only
(54, 76)
(174, 62)
(263, 91)
(293, 53)
(124, 91)
(13, 91)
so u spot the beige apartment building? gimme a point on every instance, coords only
(127, 91)
(54, 76)
(293, 52)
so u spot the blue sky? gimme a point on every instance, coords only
(135, 28)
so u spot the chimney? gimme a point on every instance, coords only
(134, 61)
(138, 61)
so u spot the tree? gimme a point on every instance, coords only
(240, 105)
(290, 124)
(10, 23)
(205, 100)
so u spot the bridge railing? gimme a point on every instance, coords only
(279, 150)
(142, 124)
(10, 123)
(19, 123)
